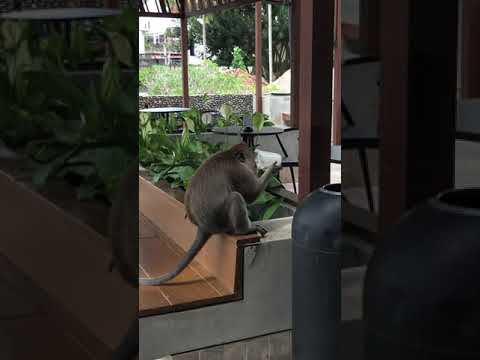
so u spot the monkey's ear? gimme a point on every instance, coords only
(240, 156)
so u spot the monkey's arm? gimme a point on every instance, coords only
(254, 187)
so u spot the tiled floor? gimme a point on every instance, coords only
(193, 287)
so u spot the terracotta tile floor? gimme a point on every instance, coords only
(194, 287)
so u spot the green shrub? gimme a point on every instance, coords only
(238, 59)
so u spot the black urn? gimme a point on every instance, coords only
(316, 233)
(422, 289)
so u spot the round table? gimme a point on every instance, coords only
(65, 15)
(248, 137)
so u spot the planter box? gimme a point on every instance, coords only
(67, 262)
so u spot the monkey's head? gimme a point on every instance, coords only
(245, 155)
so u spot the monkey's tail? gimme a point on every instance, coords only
(200, 240)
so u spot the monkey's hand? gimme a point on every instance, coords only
(274, 168)
(261, 230)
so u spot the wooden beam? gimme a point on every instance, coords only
(221, 6)
(159, 15)
(184, 35)
(418, 103)
(258, 57)
(113, 4)
(314, 60)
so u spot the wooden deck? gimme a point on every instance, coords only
(216, 275)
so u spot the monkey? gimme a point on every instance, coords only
(216, 200)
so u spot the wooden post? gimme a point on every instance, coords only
(369, 23)
(258, 56)
(184, 36)
(418, 105)
(470, 49)
(314, 27)
(337, 99)
(294, 75)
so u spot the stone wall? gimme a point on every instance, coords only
(241, 103)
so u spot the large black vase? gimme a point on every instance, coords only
(316, 232)
(422, 290)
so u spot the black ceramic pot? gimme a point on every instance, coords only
(316, 232)
(422, 290)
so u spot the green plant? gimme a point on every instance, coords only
(228, 117)
(194, 121)
(260, 121)
(238, 56)
(175, 159)
(82, 135)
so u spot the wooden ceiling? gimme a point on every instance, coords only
(185, 8)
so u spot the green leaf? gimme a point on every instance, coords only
(121, 48)
(87, 191)
(12, 33)
(267, 215)
(259, 120)
(226, 111)
(110, 79)
(44, 172)
(110, 162)
(190, 124)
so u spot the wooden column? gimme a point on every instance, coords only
(337, 118)
(258, 56)
(417, 109)
(314, 27)
(294, 76)
(369, 27)
(471, 49)
(184, 40)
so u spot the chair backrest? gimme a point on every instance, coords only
(360, 97)
(468, 117)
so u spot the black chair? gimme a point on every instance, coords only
(355, 134)
(292, 162)
(288, 161)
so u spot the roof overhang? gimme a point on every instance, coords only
(186, 8)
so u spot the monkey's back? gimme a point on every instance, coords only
(208, 189)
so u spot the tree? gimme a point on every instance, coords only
(236, 28)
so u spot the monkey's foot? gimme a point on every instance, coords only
(261, 230)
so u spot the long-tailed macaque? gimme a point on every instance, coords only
(216, 200)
